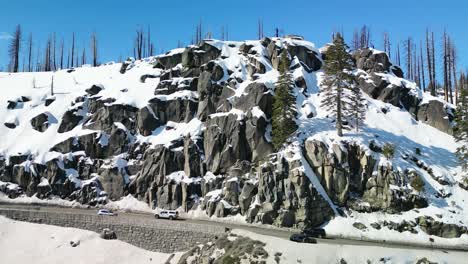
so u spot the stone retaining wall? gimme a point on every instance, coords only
(161, 236)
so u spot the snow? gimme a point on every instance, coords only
(179, 176)
(51, 244)
(343, 227)
(129, 203)
(257, 112)
(34, 200)
(293, 253)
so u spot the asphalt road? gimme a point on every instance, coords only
(149, 219)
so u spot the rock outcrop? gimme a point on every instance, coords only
(199, 137)
(374, 80)
(351, 176)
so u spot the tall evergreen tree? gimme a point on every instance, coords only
(338, 76)
(460, 131)
(284, 110)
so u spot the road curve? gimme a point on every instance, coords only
(149, 219)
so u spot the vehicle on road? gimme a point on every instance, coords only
(106, 212)
(301, 238)
(315, 232)
(167, 214)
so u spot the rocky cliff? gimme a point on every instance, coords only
(191, 130)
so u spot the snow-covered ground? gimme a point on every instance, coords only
(51, 244)
(293, 253)
(22, 242)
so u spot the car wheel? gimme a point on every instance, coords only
(156, 216)
(171, 218)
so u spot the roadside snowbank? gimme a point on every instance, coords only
(293, 253)
(51, 244)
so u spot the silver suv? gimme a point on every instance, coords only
(167, 214)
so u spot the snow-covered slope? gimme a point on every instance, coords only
(191, 129)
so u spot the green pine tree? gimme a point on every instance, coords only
(338, 77)
(284, 101)
(460, 131)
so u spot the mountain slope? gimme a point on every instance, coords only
(191, 129)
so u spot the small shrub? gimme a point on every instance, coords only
(230, 260)
(418, 151)
(417, 183)
(375, 147)
(388, 150)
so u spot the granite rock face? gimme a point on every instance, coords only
(202, 140)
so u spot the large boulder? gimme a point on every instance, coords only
(212, 96)
(169, 60)
(69, 120)
(371, 60)
(199, 55)
(113, 181)
(310, 58)
(225, 142)
(249, 190)
(177, 110)
(440, 229)
(147, 121)
(42, 121)
(255, 94)
(95, 89)
(157, 163)
(105, 117)
(436, 114)
(93, 144)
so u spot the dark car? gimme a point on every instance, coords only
(301, 238)
(315, 232)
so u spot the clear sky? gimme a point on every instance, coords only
(115, 21)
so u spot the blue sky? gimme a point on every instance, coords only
(115, 21)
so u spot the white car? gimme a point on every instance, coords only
(106, 212)
(167, 214)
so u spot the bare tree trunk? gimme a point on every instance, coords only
(148, 41)
(83, 57)
(422, 66)
(429, 64)
(139, 43)
(356, 45)
(61, 54)
(260, 29)
(387, 47)
(94, 49)
(454, 71)
(433, 65)
(30, 47)
(14, 49)
(398, 58)
(38, 58)
(52, 86)
(47, 55)
(54, 53)
(68, 60)
(73, 51)
(408, 60)
(445, 67)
